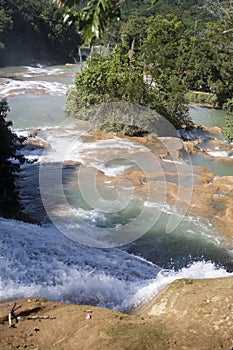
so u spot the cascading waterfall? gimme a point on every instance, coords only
(41, 260)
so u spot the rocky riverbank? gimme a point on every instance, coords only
(188, 314)
(191, 189)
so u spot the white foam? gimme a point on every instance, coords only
(218, 153)
(197, 270)
(172, 161)
(22, 133)
(41, 261)
(40, 70)
(96, 154)
(113, 171)
(17, 87)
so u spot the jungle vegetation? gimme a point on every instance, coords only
(183, 46)
(180, 45)
(33, 32)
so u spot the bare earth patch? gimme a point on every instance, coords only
(188, 314)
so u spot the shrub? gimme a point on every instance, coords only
(228, 129)
(119, 78)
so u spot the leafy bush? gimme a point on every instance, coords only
(202, 98)
(228, 129)
(119, 78)
(229, 105)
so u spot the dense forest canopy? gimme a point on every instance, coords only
(34, 31)
(182, 45)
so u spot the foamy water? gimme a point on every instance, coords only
(41, 261)
(222, 154)
(37, 261)
(17, 87)
(31, 72)
(68, 146)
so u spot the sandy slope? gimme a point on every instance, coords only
(188, 314)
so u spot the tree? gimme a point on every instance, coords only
(37, 33)
(109, 79)
(10, 161)
(228, 129)
(133, 31)
(5, 24)
(119, 78)
(92, 15)
(199, 58)
(206, 56)
(161, 52)
(223, 10)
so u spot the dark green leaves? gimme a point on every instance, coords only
(9, 145)
(93, 15)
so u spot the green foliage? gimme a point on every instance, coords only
(222, 10)
(133, 32)
(199, 61)
(161, 47)
(184, 9)
(92, 15)
(228, 129)
(113, 78)
(119, 78)
(229, 105)
(34, 31)
(201, 54)
(202, 98)
(187, 49)
(9, 164)
(5, 24)
(206, 56)
(161, 52)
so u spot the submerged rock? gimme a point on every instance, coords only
(185, 187)
(33, 143)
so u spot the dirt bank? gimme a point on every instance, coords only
(188, 314)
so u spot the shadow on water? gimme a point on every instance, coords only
(199, 133)
(29, 186)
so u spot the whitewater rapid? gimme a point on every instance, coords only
(41, 261)
(36, 261)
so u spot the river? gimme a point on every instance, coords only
(72, 255)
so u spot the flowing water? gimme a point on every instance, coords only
(82, 203)
(207, 116)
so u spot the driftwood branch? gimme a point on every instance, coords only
(227, 31)
(11, 315)
(39, 317)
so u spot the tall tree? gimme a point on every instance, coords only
(9, 165)
(5, 24)
(161, 51)
(118, 77)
